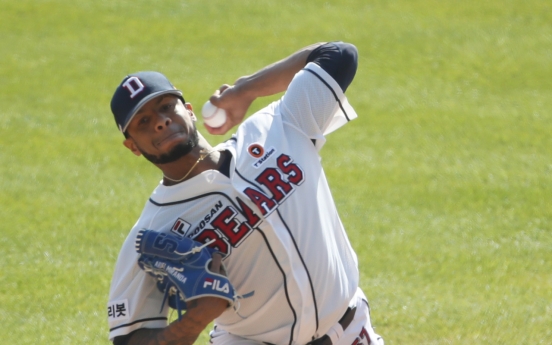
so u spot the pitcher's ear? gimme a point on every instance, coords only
(191, 111)
(131, 145)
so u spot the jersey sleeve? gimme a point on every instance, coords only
(339, 59)
(315, 103)
(134, 300)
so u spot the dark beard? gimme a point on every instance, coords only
(180, 150)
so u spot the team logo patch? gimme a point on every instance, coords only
(118, 310)
(264, 157)
(180, 227)
(256, 150)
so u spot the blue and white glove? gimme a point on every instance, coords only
(181, 267)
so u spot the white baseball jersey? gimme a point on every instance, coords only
(274, 218)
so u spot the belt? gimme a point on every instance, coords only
(344, 322)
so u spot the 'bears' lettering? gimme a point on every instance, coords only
(208, 235)
(293, 171)
(272, 179)
(228, 224)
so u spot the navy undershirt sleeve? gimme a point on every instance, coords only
(339, 59)
(122, 339)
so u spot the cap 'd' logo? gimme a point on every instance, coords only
(255, 150)
(134, 86)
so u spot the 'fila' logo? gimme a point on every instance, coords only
(134, 86)
(215, 285)
(255, 150)
(181, 227)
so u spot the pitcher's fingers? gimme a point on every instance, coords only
(223, 88)
(216, 263)
(215, 96)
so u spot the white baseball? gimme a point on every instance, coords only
(213, 116)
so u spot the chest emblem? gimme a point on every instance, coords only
(262, 155)
(180, 227)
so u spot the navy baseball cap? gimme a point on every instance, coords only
(136, 90)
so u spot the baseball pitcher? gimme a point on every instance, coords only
(244, 233)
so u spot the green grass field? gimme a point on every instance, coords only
(444, 182)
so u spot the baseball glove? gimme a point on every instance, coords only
(181, 267)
